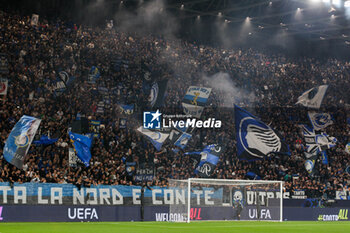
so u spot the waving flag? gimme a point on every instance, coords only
(347, 148)
(123, 122)
(94, 74)
(20, 139)
(316, 143)
(157, 138)
(34, 20)
(255, 139)
(325, 141)
(157, 93)
(312, 149)
(82, 146)
(313, 97)
(147, 72)
(45, 140)
(130, 168)
(320, 120)
(183, 140)
(309, 165)
(179, 138)
(324, 157)
(127, 109)
(195, 100)
(210, 157)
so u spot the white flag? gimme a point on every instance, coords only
(313, 97)
(320, 120)
(195, 100)
(34, 20)
(72, 157)
(157, 138)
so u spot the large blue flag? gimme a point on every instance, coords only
(82, 146)
(210, 157)
(255, 139)
(20, 139)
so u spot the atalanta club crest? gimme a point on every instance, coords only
(257, 138)
(22, 140)
(154, 94)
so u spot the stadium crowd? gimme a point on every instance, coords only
(267, 84)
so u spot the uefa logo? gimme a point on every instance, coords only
(151, 120)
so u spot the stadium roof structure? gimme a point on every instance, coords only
(302, 20)
(281, 23)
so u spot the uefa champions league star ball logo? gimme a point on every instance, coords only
(22, 140)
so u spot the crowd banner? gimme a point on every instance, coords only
(34, 20)
(69, 194)
(116, 195)
(46, 202)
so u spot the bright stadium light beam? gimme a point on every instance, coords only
(347, 4)
(246, 28)
(347, 9)
(247, 22)
(337, 3)
(298, 14)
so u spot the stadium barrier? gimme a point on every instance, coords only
(64, 213)
(44, 202)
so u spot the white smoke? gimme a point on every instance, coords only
(227, 91)
(150, 17)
